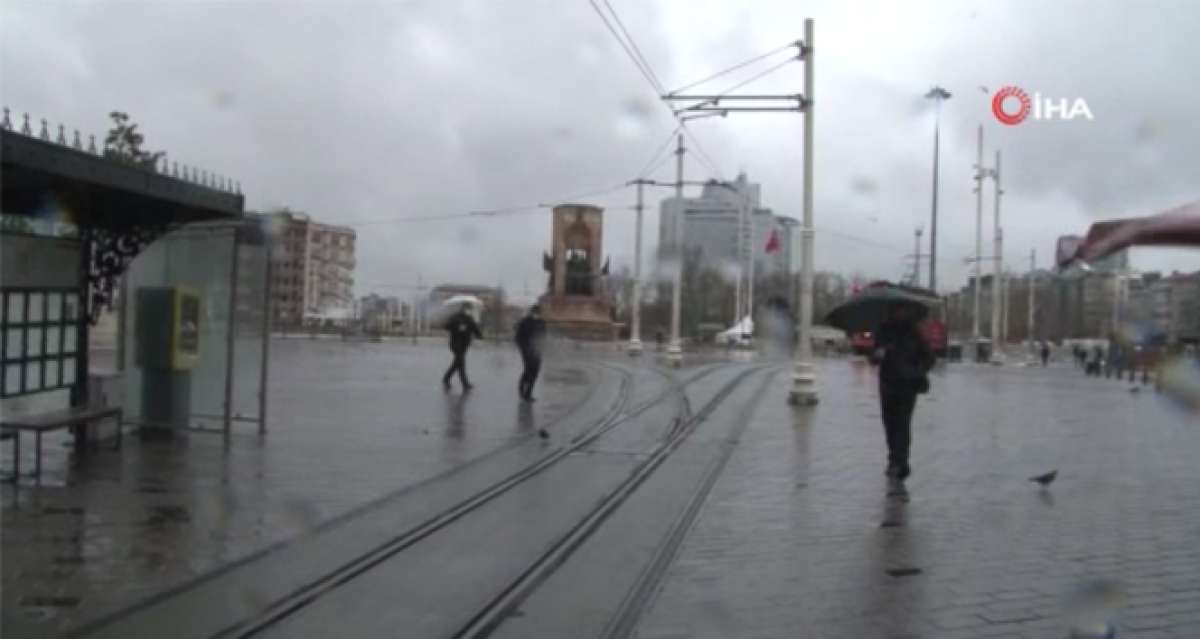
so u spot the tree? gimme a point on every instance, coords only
(707, 297)
(124, 143)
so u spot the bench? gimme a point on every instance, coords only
(76, 419)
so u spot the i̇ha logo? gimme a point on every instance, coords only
(1011, 105)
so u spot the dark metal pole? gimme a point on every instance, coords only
(263, 376)
(933, 222)
(939, 95)
(230, 337)
(79, 390)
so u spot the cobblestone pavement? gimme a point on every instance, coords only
(800, 539)
(349, 423)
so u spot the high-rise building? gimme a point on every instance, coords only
(312, 269)
(710, 227)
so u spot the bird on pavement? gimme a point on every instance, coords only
(543, 433)
(1135, 389)
(1044, 480)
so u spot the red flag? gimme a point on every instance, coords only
(772, 242)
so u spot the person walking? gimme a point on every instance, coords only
(904, 360)
(1045, 354)
(530, 338)
(462, 328)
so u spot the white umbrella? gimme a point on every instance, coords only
(456, 302)
(459, 300)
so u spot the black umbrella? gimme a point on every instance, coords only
(869, 308)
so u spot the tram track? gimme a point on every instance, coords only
(620, 412)
(488, 618)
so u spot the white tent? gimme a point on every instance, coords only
(739, 333)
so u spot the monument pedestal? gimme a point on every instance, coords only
(577, 305)
(578, 317)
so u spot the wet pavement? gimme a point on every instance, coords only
(763, 522)
(349, 423)
(800, 538)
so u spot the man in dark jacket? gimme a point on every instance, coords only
(904, 360)
(462, 327)
(531, 335)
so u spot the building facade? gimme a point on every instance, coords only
(312, 269)
(381, 314)
(710, 228)
(1078, 304)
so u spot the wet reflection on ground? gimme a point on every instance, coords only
(348, 424)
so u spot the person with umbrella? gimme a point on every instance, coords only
(530, 336)
(904, 361)
(462, 327)
(904, 358)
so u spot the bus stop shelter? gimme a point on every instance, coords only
(83, 233)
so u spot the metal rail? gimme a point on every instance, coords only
(487, 619)
(309, 593)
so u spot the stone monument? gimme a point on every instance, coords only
(576, 303)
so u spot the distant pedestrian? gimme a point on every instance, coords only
(1045, 353)
(1094, 367)
(531, 337)
(904, 360)
(462, 328)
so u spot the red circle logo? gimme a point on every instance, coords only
(998, 105)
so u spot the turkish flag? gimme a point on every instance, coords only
(772, 242)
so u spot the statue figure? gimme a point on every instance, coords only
(579, 273)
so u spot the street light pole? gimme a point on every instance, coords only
(804, 377)
(416, 319)
(979, 175)
(674, 349)
(1006, 290)
(916, 276)
(997, 252)
(635, 333)
(939, 95)
(741, 270)
(751, 241)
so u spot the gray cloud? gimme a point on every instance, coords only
(365, 111)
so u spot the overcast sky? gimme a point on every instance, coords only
(363, 113)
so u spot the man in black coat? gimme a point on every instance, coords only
(904, 360)
(462, 327)
(531, 336)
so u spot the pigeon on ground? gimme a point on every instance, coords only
(543, 433)
(1045, 480)
(1135, 389)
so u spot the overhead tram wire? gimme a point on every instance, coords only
(758, 76)
(643, 65)
(703, 155)
(478, 213)
(700, 150)
(662, 161)
(633, 43)
(657, 159)
(644, 68)
(736, 67)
